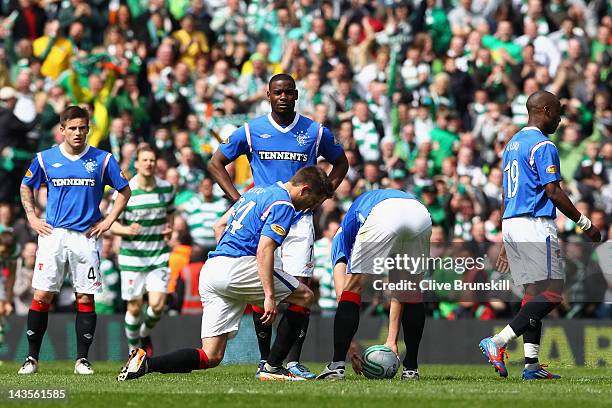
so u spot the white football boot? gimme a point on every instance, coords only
(83, 367)
(30, 366)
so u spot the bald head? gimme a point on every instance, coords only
(538, 100)
(544, 111)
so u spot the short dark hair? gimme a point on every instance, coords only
(145, 147)
(316, 178)
(73, 112)
(281, 77)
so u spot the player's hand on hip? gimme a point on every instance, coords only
(593, 234)
(99, 228)
(502, 261)
(40, 226)
(269, 311)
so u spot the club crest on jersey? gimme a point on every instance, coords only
(90, 165)
(552, 169)
(301, 138)
(278, 229)
(28, 173)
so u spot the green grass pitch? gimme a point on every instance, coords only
(235, 386)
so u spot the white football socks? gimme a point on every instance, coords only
(504, 337)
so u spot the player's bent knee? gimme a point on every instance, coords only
(84, 298)
(214, 356)
(309, 297)
(302, 296)
(352, 283)
(133, 307)
(43, 296)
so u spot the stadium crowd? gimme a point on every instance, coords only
(423, 95)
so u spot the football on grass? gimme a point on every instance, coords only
(379, 362)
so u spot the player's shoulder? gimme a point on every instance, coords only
(96, 154)
(133, 183)
(277, 193)
(49, 152)
(258, 121)
(306, 122)
(530, 136)
(160, 182)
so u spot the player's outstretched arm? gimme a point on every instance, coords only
(265, 269)
(216, 167)
(563, 203)
(27, 200)
(104, 225)
(395, 321)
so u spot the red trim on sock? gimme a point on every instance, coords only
(257, 309)
(526, 298)
(39, 306)
(552, 297)
(348, 296)
(299, 309)
(203, 359)
(86, 307)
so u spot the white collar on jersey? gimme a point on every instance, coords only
(532, 128)
(279, 127)
(282, 185)
(72, 156)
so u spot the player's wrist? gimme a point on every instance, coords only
(584, 223)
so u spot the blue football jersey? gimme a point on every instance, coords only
(260, 211)
(342, 244)
(75, 184)
(277, 153)
(530, 161)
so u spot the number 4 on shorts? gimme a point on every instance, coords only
(91, 274)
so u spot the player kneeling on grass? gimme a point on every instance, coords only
(241, 271)
(379, 225)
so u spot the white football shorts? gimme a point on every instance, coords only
(227, 285)
(135, 284)
(396, 226)
(532, 248)
(65, 251)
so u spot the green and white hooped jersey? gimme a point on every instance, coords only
(201, 217)
(324, 272)
(148, 250)
(367, 139)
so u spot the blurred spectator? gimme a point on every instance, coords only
(23, 291)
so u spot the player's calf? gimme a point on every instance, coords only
(38, 317)
(85, 329)
(132, 322)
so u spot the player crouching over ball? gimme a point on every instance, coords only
(241, 271)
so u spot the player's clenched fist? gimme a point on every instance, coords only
(593, 234)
